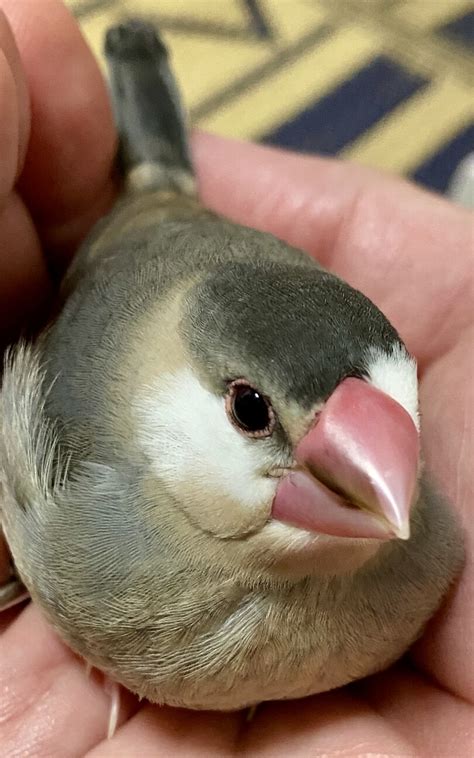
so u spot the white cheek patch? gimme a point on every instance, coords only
(395, 374)
(185, 432)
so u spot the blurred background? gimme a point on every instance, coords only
(386, 83)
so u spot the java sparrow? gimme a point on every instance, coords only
(210, 464)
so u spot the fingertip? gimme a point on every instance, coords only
(43, 687)
(8, 129)
(73, 139)
(13, 61)
(24, 282)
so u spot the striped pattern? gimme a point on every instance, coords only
(386, 83)
(346, 113)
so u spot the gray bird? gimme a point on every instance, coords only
(210, 461)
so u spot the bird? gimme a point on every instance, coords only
(212, 482)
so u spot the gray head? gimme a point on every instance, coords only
(264, 347)
(294, 332)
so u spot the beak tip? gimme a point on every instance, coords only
(401, 531)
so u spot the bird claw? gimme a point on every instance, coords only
(12, 593)
(113, 690)
(251, 711)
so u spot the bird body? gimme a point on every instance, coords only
(152, 438)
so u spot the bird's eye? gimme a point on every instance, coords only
(249, 410)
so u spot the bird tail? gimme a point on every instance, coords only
(153, 150)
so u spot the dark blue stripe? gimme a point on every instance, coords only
(438, 170)
(348, 111)
(461, 29)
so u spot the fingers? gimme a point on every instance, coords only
(407, 250)
(23, 282)
(66, 177)
(174, 732)
(9, 130)
(14, 109)
(333, 724)
(435, 722)
(48, 704)
(447, 393)
(10, 50)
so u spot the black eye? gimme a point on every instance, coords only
(249, 410)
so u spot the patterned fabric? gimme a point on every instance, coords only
(387, 83)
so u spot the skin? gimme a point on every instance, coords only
(409, 251)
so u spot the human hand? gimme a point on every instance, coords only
(408, 251)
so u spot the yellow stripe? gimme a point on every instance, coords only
(416, 129)
(279, 97)
(215, 11)
(203, 67)
(292, 20)
(427, 14)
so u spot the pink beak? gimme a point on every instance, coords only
(356, 469)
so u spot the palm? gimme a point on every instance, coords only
(411, 253)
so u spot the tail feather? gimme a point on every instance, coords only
(154, 150)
